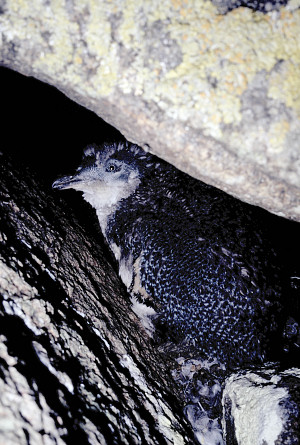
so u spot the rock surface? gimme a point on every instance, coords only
(75, 366)
(262, 407)
(216, 95)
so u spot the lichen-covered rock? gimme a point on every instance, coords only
(215, 93)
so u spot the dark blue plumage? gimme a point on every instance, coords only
(190, 250)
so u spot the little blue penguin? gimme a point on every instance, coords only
(195, 256)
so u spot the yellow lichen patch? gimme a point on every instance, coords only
(98, 38)
(211, 59)
(233, 49)
(106, 79)
(93, 51)
(278, 132)
(33, 21)
(179, 4)
(285, 85)
(77, 59)
(128, 30)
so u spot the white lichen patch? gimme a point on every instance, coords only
(256, 408)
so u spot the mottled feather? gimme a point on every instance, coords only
(194, 253)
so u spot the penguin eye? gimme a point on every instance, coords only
(111, 168)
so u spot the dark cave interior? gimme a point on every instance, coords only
(43, 128)
(45, 131)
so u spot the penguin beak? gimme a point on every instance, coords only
(83, 179)
(66, 182)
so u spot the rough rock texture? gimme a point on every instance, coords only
(262, 407)
(216, 95)
(75, 364)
